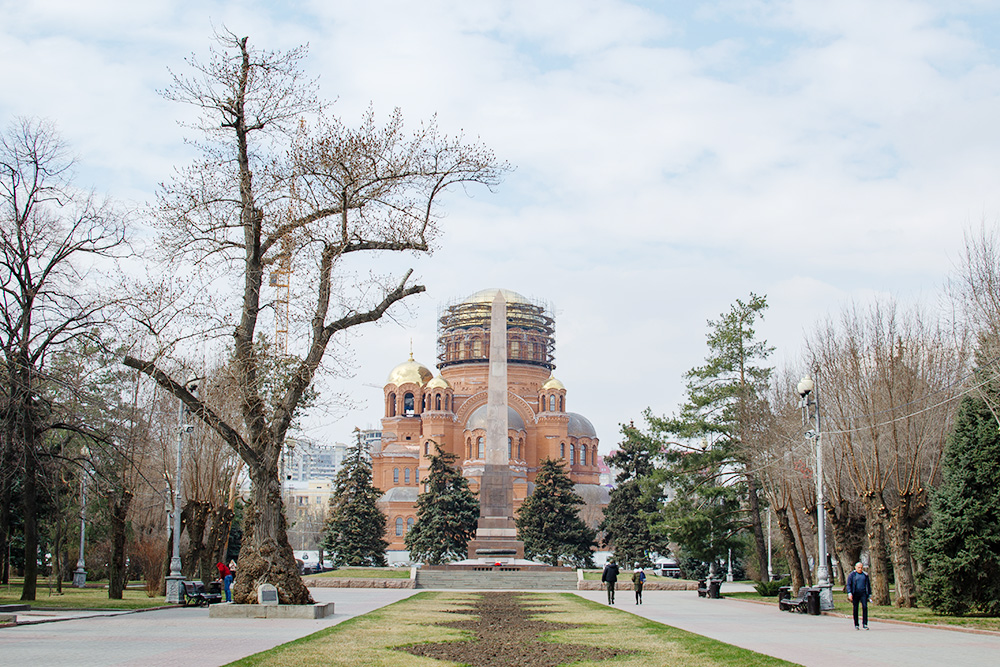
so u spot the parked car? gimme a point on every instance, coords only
(668, 568)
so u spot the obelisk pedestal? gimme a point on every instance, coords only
(496, 535)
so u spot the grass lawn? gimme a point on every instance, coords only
(368, 640)
(366, 573)
(78, 598)
(914, 615)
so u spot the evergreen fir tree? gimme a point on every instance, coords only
(355, 527)
(447, 514)
(635, 500)
(549, 520)
(960, 550)
(711, 476)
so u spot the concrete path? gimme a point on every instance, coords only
(814, 641)
(171, 637)
(190, 637)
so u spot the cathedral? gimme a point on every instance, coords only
(449, 409)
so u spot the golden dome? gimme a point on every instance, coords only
(409, 371)
(438, 383)
(553, 383)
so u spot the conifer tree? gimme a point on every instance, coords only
(447, 514)
(961, 548)
(714, 483)
(635, 500)
(355, 527)
(549, 520)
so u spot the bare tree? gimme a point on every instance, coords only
(270, 190)
(889, 381)
(49, 234)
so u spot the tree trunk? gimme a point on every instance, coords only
(57, 551)
(6, 491)
(30, 504)
(194, 516)
(117, 572)
(265, 555)
(218, 538)
(791, 550)
(900, 534)
(758, 528)
(803, 551)
(843, 526)
(878, 568)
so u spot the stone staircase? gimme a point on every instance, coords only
(498, 579)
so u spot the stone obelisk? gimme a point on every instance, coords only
(496, 535)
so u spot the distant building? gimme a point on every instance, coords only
(306, 460)
(449, 410)
(372, 437)
(306, 505)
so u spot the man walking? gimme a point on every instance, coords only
(610, 578)
(859, 589)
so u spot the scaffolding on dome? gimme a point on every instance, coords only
(464, 333)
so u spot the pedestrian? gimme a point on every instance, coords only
(610, 578)
(638, 579)
(227, 579)
(859, 589)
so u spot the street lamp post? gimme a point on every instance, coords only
(80, 574)
(806, 387)
(770, 569)
(175, 594)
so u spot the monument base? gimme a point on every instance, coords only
(232, 610)
(494, 550)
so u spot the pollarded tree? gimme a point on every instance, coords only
(355, 526)
(549, 522)
(281, 186)
(635, 501)
(447, 514)
(961, 548)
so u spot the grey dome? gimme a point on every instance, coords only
(580, 427)
(478, 419)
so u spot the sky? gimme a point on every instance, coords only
(670, 157)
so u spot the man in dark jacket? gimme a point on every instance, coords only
(859, 589)
(610, 578)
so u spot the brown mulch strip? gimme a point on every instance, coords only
(506, 636)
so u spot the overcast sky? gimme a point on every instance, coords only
(670, 157)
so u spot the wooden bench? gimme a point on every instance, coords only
(800, 603)
(196, 592)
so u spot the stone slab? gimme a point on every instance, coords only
(309, 611)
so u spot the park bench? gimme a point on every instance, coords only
(196, 592)
(800, 603)
(709, 588)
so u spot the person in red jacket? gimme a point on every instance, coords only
(227, 579)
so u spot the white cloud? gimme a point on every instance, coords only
(667, 162)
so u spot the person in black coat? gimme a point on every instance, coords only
(859, 589)
(610, 578)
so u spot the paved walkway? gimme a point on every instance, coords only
(814, 641)
(189, 637)
(169, 637)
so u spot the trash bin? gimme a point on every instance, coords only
(715, 585)
(784, 593)
(812, 602)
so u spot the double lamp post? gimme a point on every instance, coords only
(810, 399)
